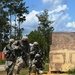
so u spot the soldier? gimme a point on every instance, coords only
(21, 48)
(19, 60)
(37, 64)
(26, 48)
(33, 51)
(10, 57)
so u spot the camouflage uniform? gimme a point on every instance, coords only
(33, 51)
(21, 50)
(26, 48)
(10, 58)
(37, 64)
(19, 60)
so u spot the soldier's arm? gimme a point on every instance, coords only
(5, 51)
(15, 47)
(34, 61)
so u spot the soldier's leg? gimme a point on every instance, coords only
(30, 66)
(11, 68)
(33, 68)
(7, 70)
(39, 72)
(26, 61)
(6, 67)
(19, 65)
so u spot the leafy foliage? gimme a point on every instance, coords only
(11, 10)
(2, 61)
(45, 29)
(71, 71)
(42, 34)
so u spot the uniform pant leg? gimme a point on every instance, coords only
(9, 67)
(19, 65)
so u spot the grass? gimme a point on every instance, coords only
(46, 67)
(2, 61)
(71, 71)
(23, 72)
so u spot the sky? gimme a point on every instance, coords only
(62, 12)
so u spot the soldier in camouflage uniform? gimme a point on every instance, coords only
(26, 48)
(21, 48)
(10, 57)
(37, 64)
(33, 51)
(19, 60)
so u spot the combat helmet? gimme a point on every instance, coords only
(37, 55)
(35, 43)
(24, 38)
(11, 40)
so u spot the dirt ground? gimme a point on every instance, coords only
(52, 74)
(4, 73)
(42, 74)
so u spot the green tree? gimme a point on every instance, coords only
(20, 10)
(36, 36)
(11, 10)
(4, 30)
(16, 9)
(45, 28)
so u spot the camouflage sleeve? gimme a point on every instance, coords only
(34, 61)
(5, 50)
(15, 47)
